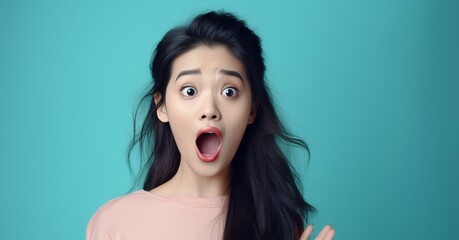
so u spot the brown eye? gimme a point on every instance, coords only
(230, 92)
(188, 91)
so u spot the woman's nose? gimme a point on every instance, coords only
(210, 110)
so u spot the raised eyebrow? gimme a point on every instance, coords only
(188, 72)
(232, 73)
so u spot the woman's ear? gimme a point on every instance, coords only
(253, 112)
(161, 111)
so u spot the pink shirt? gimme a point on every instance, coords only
(142, 215)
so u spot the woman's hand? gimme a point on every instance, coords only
(327, 233)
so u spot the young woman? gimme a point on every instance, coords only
(216, 169)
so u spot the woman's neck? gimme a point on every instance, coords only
(187, 183)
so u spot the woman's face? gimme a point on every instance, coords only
(208, 105)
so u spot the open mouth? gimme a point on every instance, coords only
(208, 143)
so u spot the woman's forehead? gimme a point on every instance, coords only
(204, 59)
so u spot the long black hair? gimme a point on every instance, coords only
(264, 198)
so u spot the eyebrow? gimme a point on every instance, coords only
(231, 73)
(188, 72)
(222, 71)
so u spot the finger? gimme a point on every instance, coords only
(307, 232)
(330, 234)
(323, 232)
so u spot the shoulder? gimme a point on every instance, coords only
(122, 204)
(113, 214)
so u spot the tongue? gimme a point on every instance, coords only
(208, 143)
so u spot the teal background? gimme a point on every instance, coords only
(372, 86)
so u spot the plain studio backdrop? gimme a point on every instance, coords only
(372, 86)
